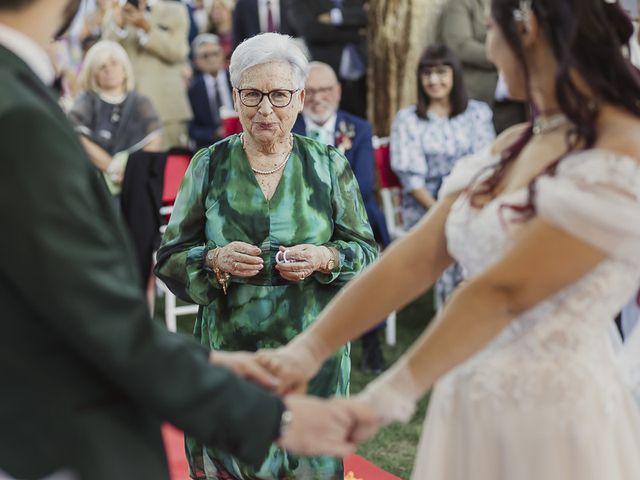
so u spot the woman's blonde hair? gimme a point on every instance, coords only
(96, 57)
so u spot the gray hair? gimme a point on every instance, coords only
(96, 57)
(204, 39)
(267, 48)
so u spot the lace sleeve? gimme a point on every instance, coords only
(467, 170)
(595, 196)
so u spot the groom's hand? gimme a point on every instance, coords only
(246, 365)
(324, 427)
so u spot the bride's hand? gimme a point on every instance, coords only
(292, 373)
(394, 394)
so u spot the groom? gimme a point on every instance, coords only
(86, 377)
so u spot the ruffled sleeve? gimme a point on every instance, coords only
(466, 170)
(595, 196)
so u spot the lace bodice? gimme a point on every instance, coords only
(560, 349)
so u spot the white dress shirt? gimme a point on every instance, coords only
(224, 95)
(275, 14)
(29, 52)
(326, 132)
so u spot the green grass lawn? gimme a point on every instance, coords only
(393, 448)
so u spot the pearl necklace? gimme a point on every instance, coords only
(277, 167)
(542, 125)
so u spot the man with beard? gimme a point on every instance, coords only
(86, 376)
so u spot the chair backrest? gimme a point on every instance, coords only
(382, 155)
(174, 170)
(390, 191)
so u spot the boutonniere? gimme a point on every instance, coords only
(351, 476)
(344, 136)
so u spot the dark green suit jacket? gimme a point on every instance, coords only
(85, 375)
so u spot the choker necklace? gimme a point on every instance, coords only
(277, 167)
(546, 124)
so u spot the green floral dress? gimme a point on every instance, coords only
(317, 201)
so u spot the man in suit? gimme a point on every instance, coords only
(156, 40)
(251, 17)
(209, 91)
(86, 376)
(334, 31)
(322, 120)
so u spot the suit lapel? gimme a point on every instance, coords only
(30, 79)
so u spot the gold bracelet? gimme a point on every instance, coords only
(221, 277)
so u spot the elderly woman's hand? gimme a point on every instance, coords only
(239, 259)
(303, 260)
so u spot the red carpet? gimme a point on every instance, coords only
(355, 467)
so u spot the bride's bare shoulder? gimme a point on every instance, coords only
(620, 133)
(508, 137)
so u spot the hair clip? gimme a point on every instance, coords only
(523, 13)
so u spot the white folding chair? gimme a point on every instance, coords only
(390, 194)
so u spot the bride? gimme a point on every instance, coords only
(546, 224)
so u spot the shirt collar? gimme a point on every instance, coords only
(29, 52)
(329, 126)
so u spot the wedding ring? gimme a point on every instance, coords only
(235, 265)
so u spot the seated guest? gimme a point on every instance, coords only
(429, 137)
(322, 120)
(210, 91)
(112, 118)
(220, 23)
(265, 231)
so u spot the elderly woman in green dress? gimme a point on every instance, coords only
(266, 228)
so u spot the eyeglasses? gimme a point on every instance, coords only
(318, 91)
(206, 55)
(441, 71)
(250, 97)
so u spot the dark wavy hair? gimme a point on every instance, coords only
(442, 55)
(586, 37)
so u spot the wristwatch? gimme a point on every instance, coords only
(332, 263)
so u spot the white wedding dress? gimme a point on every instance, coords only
(547, 399)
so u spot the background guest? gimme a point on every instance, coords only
(429, 137)
(113, 119)
(221, 24)
(209, 91)
(251, 17)
(156, 41)
(335, 33)
(244, 203)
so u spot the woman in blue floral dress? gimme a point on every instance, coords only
(429, 137)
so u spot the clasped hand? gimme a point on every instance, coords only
(243, 260)
(318, 426)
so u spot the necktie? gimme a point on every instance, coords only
(214, 103)
(271, 26)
